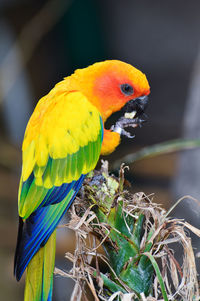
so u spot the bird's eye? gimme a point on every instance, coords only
(126, 89)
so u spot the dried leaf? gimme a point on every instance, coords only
(191, 228)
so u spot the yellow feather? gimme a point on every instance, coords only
(28, 160)
(39, 181)
(41, 153)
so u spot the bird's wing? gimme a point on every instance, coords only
(62, 144)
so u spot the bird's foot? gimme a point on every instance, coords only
(125, 122)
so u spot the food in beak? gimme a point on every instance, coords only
(134, 116)
(130, 115)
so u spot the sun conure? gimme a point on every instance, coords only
(63, 141)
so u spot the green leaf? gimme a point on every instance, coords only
(138, 275)
(157, 270)
(137, 230)
(111, 285)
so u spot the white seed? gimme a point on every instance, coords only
(130, 115)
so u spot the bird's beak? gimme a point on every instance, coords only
(135, 107)
(133, 115)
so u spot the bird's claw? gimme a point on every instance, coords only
(126, 122)
(127, 134)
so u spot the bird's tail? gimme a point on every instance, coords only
(39, 276)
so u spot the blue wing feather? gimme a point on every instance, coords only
(57, 193)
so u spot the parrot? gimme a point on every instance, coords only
(63, 141)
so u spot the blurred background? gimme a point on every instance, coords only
(43, 41)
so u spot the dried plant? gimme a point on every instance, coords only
(124, 246)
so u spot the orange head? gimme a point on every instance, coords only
(109, 85)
